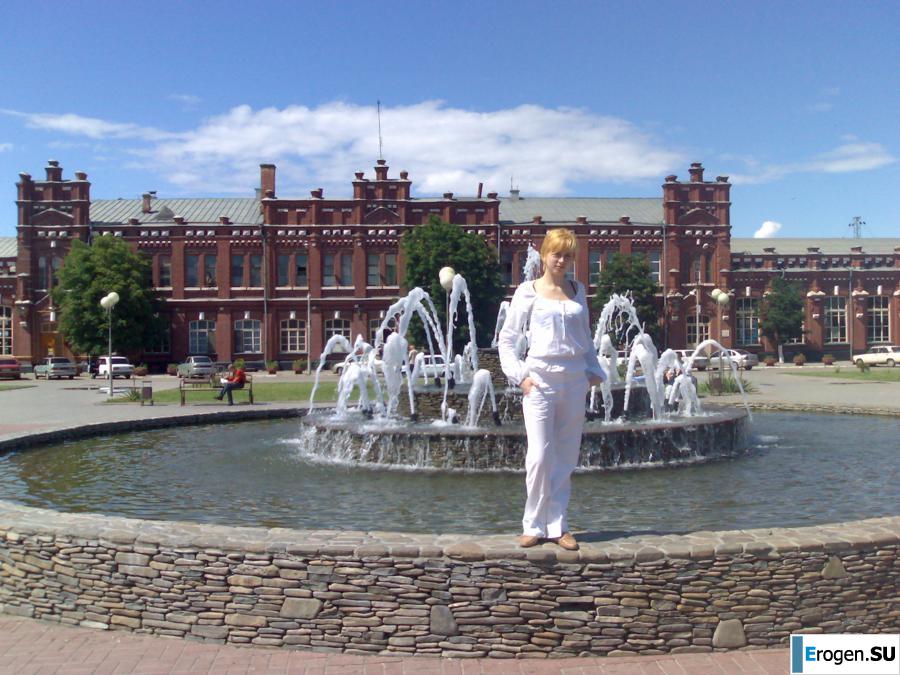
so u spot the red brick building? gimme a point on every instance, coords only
(268, 277)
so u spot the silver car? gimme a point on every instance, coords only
(741, 358)
(197, 367)
(700, 362)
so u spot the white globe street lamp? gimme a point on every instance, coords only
(445, 276)
(108, 302)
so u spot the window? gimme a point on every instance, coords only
(56, 263)
(43, 274)
(255, 270)
(247, 336)
(877, 321)
(300, 265)
(346, 269)
(373, 269)
(390, 269)
(202, 337)
(284, 265)
(695, 270)
(697, 330)
(506, 267)
(798, 340)
(595, 265)
(708, 268)
(163, 343)
(835, 320)
(375, 324)
(237, 270)
(6, 330)
(192, 270)
(337, 327)
(653, 261)
(165, 271)
(209, 270)
(293, 336)
(328, 277)
(747, 321)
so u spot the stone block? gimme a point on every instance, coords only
(729, 634)
(442, 621)
(249, 620)
(834, 569)
(210, 632)
(300, 608)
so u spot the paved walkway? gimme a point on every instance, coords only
(30, 647)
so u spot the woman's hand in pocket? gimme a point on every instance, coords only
(526, 385)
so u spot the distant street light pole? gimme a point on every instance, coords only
(108, 302)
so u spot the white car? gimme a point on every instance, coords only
(743, 359)
(120, 367)
(882, 355)
(701, 361)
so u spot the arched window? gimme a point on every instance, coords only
(202, 337)
(248, 336)
(697, 329)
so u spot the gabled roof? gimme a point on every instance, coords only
(241, 210)
(8, 247)
(826, 246)
(648, 210)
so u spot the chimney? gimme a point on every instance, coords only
(514, 193)
(492, 195)
(856, 249)
(581, 220)
(769, 249)
(696, 171)
(359, 175)
(145, 203)
(178, 220)
(224, 220)
(404, 175)
(267, 178)
(381, 170)
(812, 249)
(721, 179)
(671, 178)
(448, 195)
(54, 173)
(317, 193)
(537, 220)
(480, 188)
(80, 175)
(625, 220)
(134, 221)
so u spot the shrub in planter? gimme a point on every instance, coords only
(770, 360)
(141, 370)
(272, 367)
(799, 359)
(828, 359)
(863, 366)
(238, 363)
(299, 365)
(172, 369)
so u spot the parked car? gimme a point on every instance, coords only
(433, 365)
(743, 359)
(700, 362)
(882, 355)
(55, 366)
(9, 367)
(120, 367)
(197, 366)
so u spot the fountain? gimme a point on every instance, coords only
(462, 414)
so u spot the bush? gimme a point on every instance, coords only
(299, 365)
(172, 369)
(238, 363)
(272, 367)
(799, 359)
(828, 359)
(141, 370)
(729, 386)
(863, 366)
(770, 360)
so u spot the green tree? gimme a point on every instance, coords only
(88, 274)
(630, 274)
(781, 313)
(436, 244)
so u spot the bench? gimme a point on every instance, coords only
(192, 384)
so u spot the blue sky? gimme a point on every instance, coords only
(796, 101)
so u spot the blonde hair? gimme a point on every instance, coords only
(559, 240)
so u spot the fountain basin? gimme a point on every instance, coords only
(352, 438)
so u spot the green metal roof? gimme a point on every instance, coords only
(647, 210)
(798, 246)
(241, 211)
(8, 247)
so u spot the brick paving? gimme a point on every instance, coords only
(30, 647)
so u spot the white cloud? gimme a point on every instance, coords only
(92, 127)
(768, 229)
(852, 155)
(188, 101)
(549, 150)
(5, 146)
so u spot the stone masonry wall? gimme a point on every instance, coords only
(449, 596)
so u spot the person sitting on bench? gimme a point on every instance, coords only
(236, 381)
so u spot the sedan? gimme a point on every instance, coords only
(9, 367)
(700, 362)
(197, 367)
(882, 355)
(741, 358)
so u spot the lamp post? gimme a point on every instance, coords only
(446, 275)
(108, 302)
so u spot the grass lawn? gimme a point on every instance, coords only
(262, 392)
(880, 374)
(9, 386)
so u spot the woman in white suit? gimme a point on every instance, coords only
(561, 365)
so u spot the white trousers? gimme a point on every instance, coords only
(554, 414)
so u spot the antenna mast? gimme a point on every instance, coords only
(857, 224)
(380, 150)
